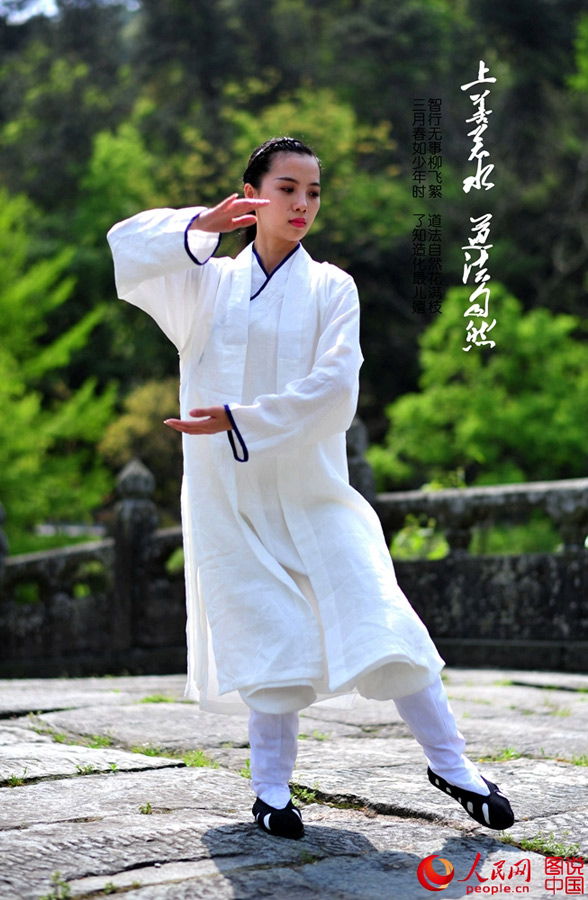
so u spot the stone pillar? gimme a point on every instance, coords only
(135, 524)
(568, 510)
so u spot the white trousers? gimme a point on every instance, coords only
(273, 739)
(274, 745)
(432, 722)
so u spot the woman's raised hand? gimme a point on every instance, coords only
(231, 213)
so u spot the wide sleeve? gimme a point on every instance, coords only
(159, 266)
(322, 403)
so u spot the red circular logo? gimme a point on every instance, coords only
(432, 880)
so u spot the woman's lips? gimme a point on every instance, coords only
(298, 223)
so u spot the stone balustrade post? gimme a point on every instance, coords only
(136, 520)
(458, 519)
(569, 513)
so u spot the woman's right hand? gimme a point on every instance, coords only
(228, 215)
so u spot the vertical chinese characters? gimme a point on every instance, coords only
(434, 141)
(476, 250)
(427, 183)
(480, 120)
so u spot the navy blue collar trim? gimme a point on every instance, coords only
(279, 266)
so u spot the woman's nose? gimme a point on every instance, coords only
(300, 202)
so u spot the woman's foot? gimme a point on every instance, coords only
(286, 822)
(492, 810)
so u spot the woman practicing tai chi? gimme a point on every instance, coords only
(291, 592)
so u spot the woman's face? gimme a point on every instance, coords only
(293, 186)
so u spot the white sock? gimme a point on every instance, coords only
(432, 722)
(274, 744)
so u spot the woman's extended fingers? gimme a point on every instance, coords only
(209, 421)
(231, 213)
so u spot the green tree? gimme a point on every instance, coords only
(122, 177)
(517, 412)
(119, 180)
(47, 466)
(61, 80)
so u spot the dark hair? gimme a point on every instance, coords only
(260, 163)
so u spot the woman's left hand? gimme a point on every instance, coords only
(210, 421)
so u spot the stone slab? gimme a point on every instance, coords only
(171, 726)
(20, 731)
(38, 760)
(537, 722)
(200, 840)
(541, 737)
(534, 722)
(535, 788)
(122, 793)
(19, 696)
(567, 830)
(344, 854)
(201, 854)
(371, 869)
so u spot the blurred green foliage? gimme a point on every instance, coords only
(139, 432)
(537, 535)
(420, 538)
(515, 414)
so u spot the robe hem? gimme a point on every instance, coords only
(303, 681)
(238, 707)
(422, 676)
(409, 664)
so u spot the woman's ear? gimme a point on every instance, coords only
(249, 191)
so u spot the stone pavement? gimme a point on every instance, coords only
(77, 797)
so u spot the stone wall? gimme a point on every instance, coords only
(114, 606)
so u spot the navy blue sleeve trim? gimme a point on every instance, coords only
(187, 244)
(239, 437)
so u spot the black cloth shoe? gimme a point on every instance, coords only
(493, 811)
(285, 822)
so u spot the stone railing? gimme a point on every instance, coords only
(520, 611)
(460, 510)
(116, 606)
(105, 606)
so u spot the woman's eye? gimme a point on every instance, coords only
(287, 190)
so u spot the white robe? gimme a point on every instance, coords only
(291, 592)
